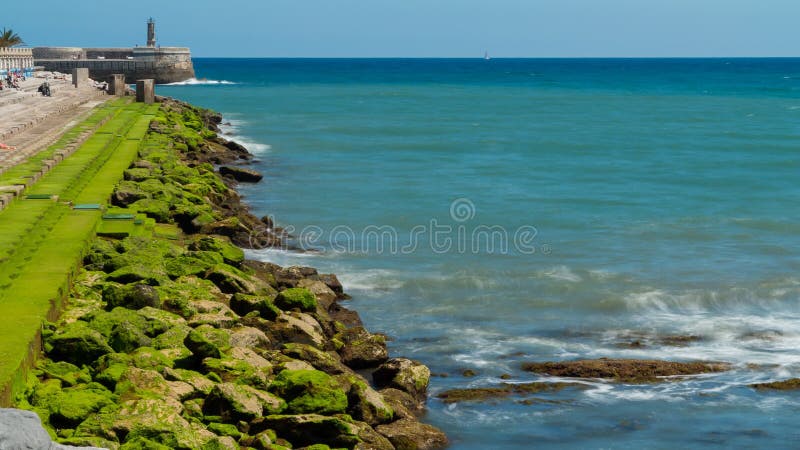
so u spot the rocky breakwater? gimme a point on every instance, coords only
(181, 343)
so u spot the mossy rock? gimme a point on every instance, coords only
(188, 264)
(154, 209)
(206, 341)
(142, 443)
(365, 403)
(231, 280)
(150, 358)
(137, 174)
(241, 366)
(69, 374)
(233, 402)
(78, 344)
(179, 295)
(310, 391)
(139, 273)
(232, 254)
(296, 298)
(135, 296)
(242, 304)
(172, 338)
(69, 407)
(321, 360)
(310, 429)
(224, 429)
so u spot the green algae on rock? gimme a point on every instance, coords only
(625, 370)
(310, 391)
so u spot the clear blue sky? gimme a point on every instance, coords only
(424, 28)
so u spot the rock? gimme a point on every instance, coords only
(67, 373)
(78, 344)
(242, 304)
(134, 297)
(628, 370)
(333, 283)
(126, 196)
(408, 434)
(207, 342)
(241, 174)
(231, 280)
(296, 298)
(249, 337)
(230, 253)
(137, 174)
(324, 295)
(784, 385)
(160, 421)
(235, 402)
(362, 349)
(69, 407)
(404, 374)
(310, 429)
(402, 403)
(327, 362)
(196, 380)
(346, 316)
(290, 277)
(364, 403)
(309, 391)
(298, 328)
(143, 383)
(20, 430)
(242, 366)
(504, 390)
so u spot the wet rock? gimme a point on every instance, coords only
(504, 390)
(404, 374)
(402, 403)
(407, 434)
(309, 391)
(346, 316)
(364, 403)
(629, 370)
(362, 349)
(241, 174)
(784, 385)
(679, 340)
(290, 277)
(333, 283)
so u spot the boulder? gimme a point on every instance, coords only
(298, 328)
(242, 366)
(67, 373)
(324, 295)
(135, 296)
(404, 374)
(408, 434)
(78, 344)
(158, 420)
(234, 402)
(309, 391)
(23, 430)
(627, 370)
(364, 403)
(207, 342)
(230, 253)
(296, 298)
(333, 283)
(127, 195)
(241, 174)
(362, 349)
(242, 304)
(249, 337)
(69, 407)
(310, 429)
(402, 403)
(328, 362)
(231, 280)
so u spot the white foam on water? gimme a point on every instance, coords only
(371, 280)
(200, 82)
(562, 273)
(230, 131)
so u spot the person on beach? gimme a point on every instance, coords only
(7, 147)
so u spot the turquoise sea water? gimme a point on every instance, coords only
(638, 200)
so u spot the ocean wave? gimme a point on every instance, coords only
(200, 82)
(229, 130)
(562, 273)
(371, 280)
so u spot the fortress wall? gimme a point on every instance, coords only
(109, 53)
(58, 53)
(161, 72)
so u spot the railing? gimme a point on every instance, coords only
(16, 52)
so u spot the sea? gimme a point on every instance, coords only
(488, 213)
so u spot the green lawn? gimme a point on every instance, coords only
(42, 241)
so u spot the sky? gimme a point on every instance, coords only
(421, 28)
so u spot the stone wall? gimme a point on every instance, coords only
(163, 64)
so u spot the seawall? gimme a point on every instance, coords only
(163, 64)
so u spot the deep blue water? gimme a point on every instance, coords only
(625, 200)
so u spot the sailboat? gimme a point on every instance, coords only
(486, 56)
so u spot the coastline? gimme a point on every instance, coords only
(225, 352)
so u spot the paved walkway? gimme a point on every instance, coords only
(31, 122)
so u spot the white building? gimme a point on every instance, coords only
(16, 59)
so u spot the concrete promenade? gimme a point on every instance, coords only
(31, 122)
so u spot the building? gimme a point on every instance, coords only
(16, 59)
(163, 64)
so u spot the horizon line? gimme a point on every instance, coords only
(499, 57)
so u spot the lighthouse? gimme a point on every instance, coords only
(151, 33)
